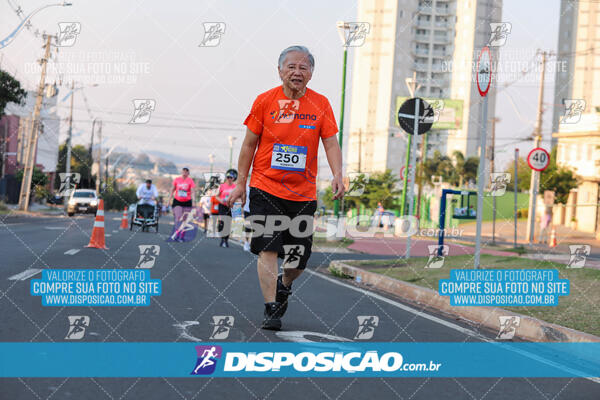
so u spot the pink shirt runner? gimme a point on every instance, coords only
(183, 188)
(225, 190)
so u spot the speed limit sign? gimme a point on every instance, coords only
(538, 159)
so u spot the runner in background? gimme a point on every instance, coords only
(182, 193)
(224, 210)
(214, 213)
(205, 204)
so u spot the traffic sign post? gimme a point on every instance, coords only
(484, 80)
(415, 116)
(538, 160)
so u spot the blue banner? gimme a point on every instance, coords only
(285, 359)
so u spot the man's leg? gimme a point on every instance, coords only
(267, 274)
(290, 275)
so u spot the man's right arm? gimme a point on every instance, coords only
(244, 163)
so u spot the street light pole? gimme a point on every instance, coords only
(336, 203)
(211, 158)
(231, 140)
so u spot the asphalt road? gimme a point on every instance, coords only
(199, 280)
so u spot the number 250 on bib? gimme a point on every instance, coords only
(289, 157)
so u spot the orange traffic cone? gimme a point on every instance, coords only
(552, 238)
(97, 239)
(124, 223)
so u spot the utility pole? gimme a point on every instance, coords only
(420, 174)
(535, 175)
(231, 140)
(99, 177)
(492, 157)
(359, 149)
(33, 137)
(211, 158)
(91, 151)
(69, 136)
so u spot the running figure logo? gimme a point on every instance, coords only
(499, 183)
(287, 111)
(67, 33)
(433, 111)
(436, 261)
(573, 110)
(366, 326)
(222, 325)
(77, 326)
(212, 34)
(293, 255)
(207, 359)
(579, 253)
(142, 110)
(354, 34)
(499, 33)
(508, 327)
(68, 183)
(148, 254)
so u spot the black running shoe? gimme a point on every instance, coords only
(282, 294)
(272, 319)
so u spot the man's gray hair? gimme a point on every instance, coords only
(300, 49)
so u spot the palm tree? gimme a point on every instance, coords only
(459, 165)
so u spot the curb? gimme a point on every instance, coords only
(530, 328)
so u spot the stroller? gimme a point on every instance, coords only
(144, 215)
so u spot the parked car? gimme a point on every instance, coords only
(82, 201)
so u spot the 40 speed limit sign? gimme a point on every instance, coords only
(538, 159)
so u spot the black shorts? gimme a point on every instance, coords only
(294, 249)
(182, 203)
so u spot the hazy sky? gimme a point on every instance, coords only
(150, 50)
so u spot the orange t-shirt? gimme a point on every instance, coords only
(285, 163)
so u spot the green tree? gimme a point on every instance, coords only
(524, 175)
(456, 170)
(81, 162)
(10, 91)
(37, 179)
(381, 187)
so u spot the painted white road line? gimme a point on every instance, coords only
(72, 252)
(28, 273)
(55, 228)
(451, 325)
(115, 231)
(107, 235)
(117, 218)
(183, 333)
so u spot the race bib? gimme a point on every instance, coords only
(289, 157)
(182, 193)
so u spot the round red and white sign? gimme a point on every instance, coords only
(484, 71)
(538, 159)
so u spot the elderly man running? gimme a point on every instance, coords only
(283, 131)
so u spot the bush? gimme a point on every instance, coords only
(522, 213)
(117, 200)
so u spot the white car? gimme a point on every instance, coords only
(82, 201)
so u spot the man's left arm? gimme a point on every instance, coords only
(334, 158)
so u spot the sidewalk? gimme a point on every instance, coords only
(418, 248)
